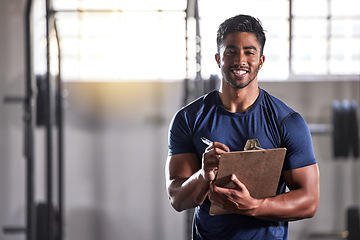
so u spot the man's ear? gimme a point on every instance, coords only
(217, 58)
(262, 60)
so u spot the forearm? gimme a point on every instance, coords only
(299, 203)
(188, 181)
(290, 206)
(188, 193)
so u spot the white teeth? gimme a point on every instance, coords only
(240, 72)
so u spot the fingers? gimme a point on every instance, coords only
(210, 163)
(237, 198)
(213, 153)
(211, 158)
(219, 147)
(238, 185)
(222, 197)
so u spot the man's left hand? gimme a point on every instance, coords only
(237, 198)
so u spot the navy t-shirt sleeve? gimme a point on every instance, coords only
(180, 139)
(297, 140)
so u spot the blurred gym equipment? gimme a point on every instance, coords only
(42, 109)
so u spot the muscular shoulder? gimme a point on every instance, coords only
(195, 107)
(191, 111)
(276, 107)
(183, 124)
(285, 115)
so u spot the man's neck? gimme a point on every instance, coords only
(238, 100)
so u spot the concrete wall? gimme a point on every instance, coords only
(116, 146)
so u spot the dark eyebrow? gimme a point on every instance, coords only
(250, 47)
(231, 46)
(245, 48)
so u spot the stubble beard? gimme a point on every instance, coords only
(242, 85)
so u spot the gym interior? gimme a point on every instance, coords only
(88, 89)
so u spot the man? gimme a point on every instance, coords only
(239, 111)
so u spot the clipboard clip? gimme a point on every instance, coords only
(252, 144)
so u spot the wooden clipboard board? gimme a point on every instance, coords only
(259, 170)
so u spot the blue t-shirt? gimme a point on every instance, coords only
(270, 121)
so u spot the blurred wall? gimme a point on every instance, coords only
(116, 146)
(11, 83)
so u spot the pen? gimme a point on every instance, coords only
(206, 141)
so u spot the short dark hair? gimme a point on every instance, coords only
(241, 23)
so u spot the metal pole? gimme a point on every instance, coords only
(49, 135)
(290, 39)
(199, 81)
(29, 130)
(186, 80)
(60, 141)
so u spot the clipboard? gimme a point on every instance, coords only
(259, 170)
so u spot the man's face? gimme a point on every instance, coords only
(239, 59)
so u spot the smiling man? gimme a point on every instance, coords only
(239, 111)
(240, 59)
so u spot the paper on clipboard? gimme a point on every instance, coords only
(258, 170)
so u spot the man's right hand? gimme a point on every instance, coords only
(211, 158)
(187, 182)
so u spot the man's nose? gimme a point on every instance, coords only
(241, 59)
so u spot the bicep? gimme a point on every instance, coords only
(305, 178)
(181, 166)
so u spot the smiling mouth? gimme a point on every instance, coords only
(240, 73)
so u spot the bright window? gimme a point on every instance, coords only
(326, 37)
(121, 40)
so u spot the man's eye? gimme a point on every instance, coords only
(229, 52)
(250, 53)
